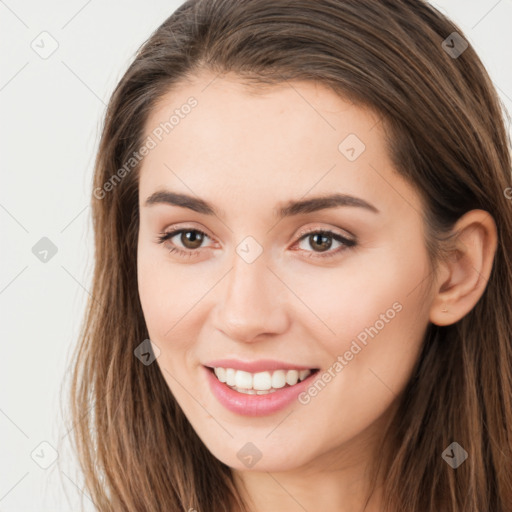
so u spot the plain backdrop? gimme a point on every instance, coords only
(60, 61)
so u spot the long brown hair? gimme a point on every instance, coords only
(446, 134)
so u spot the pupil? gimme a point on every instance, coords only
(192, 237)
(325, 238)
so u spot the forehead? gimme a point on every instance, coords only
(280, 142)
(233, 113)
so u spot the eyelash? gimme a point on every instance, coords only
(347, 243)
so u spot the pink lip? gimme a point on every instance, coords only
(255, 366)
(254, 405)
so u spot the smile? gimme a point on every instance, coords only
(260, 383)
(242, 397)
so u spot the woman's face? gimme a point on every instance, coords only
(253, 286)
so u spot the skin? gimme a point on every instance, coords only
(247, 154)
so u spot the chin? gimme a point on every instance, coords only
(260, 457)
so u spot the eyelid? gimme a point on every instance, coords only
(315, 229)
(347, 241)
(167, 234)
(174, 229)
(302, 232)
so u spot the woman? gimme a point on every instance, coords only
(234, 358)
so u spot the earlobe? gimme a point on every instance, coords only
(466, 273)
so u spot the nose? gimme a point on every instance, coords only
(252, 302)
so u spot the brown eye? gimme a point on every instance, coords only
(320, 242)
(187, 243)
(191, 239)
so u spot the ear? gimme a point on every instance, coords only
(462, 279)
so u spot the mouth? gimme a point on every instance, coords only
(260, 383)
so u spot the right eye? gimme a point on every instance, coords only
(190, 238)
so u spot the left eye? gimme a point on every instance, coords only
(323, 240)
(192, 239)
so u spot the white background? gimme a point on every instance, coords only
(51, 111)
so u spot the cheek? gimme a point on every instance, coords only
(379, 319)
(153, 300)
(168, 311)
(163, 298)
(171, 297)
(377, 302)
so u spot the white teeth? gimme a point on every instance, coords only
(221, 374)
(254, 392)
(278, 379)
(230, 376)
(303, 374)
(259, 383)
(292, 377)
(262, 381)
(246, 391)
(243, 380)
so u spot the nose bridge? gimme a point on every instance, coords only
(251, 301)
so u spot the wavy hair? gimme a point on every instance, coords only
(446, 134)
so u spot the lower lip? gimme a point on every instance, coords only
(255, 405)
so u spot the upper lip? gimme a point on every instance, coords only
(260, 365)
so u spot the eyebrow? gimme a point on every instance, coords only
(288, 209)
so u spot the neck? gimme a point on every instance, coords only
(340, 480)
